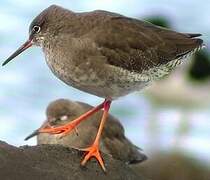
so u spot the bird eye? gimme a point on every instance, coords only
(64, 118)
(36, 29)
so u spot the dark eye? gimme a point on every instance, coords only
(36, 29)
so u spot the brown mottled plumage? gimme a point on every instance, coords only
(113, 139)
(108, 54)
(105, 54)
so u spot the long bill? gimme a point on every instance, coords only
(25, 46)
(35, 133)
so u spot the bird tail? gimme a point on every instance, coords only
(193, 35)
(140, 157)
(136, 155)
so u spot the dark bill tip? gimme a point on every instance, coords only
(35, 133)
(25, 46)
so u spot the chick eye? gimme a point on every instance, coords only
(36, 29)
(64, 118)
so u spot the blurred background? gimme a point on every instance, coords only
(170, 117)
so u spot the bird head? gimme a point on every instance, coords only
(59, 112)
(48, 24)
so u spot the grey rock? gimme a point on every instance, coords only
(56, 162)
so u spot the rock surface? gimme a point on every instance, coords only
(56, 162)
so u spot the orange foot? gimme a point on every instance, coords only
(93, 151)
(62, 130)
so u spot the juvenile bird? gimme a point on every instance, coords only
(113, 140)
(105, 54)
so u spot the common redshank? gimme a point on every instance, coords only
(113, 139)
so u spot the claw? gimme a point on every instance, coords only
(76, 131)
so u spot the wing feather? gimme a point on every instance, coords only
(137, 45)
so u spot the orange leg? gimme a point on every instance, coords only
(67, 128)
(93, 151)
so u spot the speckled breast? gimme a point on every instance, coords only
(110, 82)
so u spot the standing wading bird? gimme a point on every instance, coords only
(105, 54)
(113, 140)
